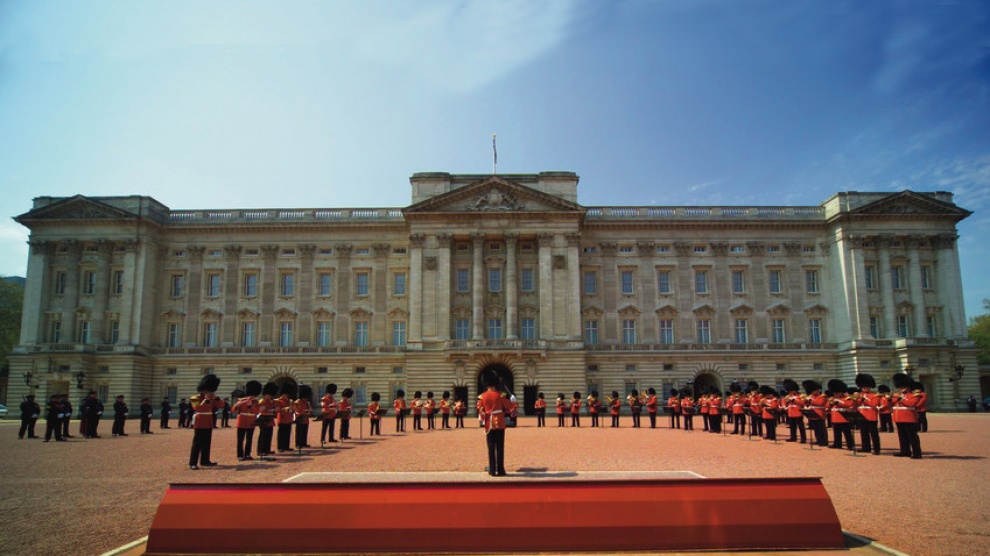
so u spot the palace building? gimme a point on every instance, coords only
(506, 272)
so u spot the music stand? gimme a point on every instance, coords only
(811, 415)
(722, 412)
(854, 418)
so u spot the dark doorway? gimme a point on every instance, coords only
(461, 393)
(506, 380)
(279, 381)
(529, 399)
(704, 382)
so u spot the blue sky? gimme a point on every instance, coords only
(326, 104)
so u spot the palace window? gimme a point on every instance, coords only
(89, 282)
(399, 333)
(285, 338)
(704, 331)
(591, 332)
(176, 282)
(287, 285)
(114, 332)
(213, 285)
(627, 282)
(55, 328)
(117, 282)
(875, 326)
(628, 331)
(738, 281)
(462, 329)
(777, 334)
(930, 324)
(361, 283)
(173, 338)
(323, 333)
(897, 277)
(870, 277)
(811, 281)
(527, 329)
(248, 334)
(325, 284)
(399, 283)
(210, 334)
(361, 333)
(775, 281)
(494, 279)
(700, 281)
(463, 280)
(590, 283)
(250, 284)
(741, 330)
(902, 326)
(815, 331)
(526, 280)
(495, 329)
(59, 282)
(663, 281)
(926, 276)
(666, 331)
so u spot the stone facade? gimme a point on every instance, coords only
(508, 272)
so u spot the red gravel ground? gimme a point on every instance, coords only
(85, 497)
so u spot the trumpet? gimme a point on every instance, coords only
(608, 399)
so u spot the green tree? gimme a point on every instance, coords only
(979, 332)
(11, 303)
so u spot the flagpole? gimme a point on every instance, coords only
(494, 156)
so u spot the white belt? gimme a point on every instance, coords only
(905, 408)
(496, 411)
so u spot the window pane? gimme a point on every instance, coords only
(495, 329)
(527, 329)
(462, 329)
(666, 331)
(288, 284)
(629, 332)
(494, 279)
(704, 332)
(774, 281)
(627, 282)
(250, 285)
(463, 280)
(399, 333)
(399, 286)
(590, 283)
(811, 281)
(663, 281)
(701, 281)
(591, 331)
(326, 284)
(362, 283)
(247, 334)
(738, 282)
(526, 280)
(361, 333)
(323, 331)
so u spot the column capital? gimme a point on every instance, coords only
(196, 251)
(306, 249)
(417, 240)
(683, 248)
(269, 251)
(545, 240)
(511, 238)
(41, 247)
(477, 238)
(381, 249)
(232, 252)
(343, 249)
(944, 241)
(792, 248)
(444, 240)
(573, 240)
(720, 248)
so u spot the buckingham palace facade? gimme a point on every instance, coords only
(505, 272)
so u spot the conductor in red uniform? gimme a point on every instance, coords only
(905, 415)
(870, 404)
(203, 407)
(494, 410)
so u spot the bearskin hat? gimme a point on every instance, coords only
(375, 396)
(417, 394)
(429, 395)
(615, 394)
(902, 380)
(540, 395)
(287, 389)
(252, 388)
(270, 389)
(489, 379)
(685, 393)
(331, 388)
(864, 380)
(238, 393)
(918, 386)
(714, 391)
(400, 393)
(651, 391)
(811, 386)
(790, 385)
(674, 393)
(209, 383)
(767, 391)
(836, 386)
(446, 395)
(753, 386)
(594, 393)
(347, 393)
(577, 394)
(735, 387)
(634, 393)
(560, 396)
(883, 389)
(852, 390)
(305, 392)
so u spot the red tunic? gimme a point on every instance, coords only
(266, 406)
(302, 409)
(344, 408)
(675, 403)
(869, 403)
(905, 407)
(560, 406)
(203, 413)
(329, 406)
(247, 410)
(839, 408)
(494, 409)
(817, 403)
(794, 405)
(373, 411)
(283, 406)
(652, 404)
(770, 406)
(575, 406)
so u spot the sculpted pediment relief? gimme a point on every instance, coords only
(493, 195)
(909, 203)
(77, 208)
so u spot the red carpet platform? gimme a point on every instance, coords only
(496, 515)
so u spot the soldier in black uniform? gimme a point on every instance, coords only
(183, 414)
(119, 416)
(166, 409)
(92, 409)
(53, 418)
(66, 415)
(29, 416)
(146, 413)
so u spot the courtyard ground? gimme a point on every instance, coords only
(86, 497)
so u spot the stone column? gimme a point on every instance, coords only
(917, 288)
(37, 293)
(686, 294)
(477, 288)
(854, 287)
(104, 249)
(305, 294)
(443, 287)
(268, 284)
(129, 311)
(380, 293)
(720, 284)
(71, 296)
(761, 294)
(416, 286)
(949, 284)
(342, 318)
(194, 293)
(546, 286)
(886, 288)
(231, 293)
(511, 283)
(574, 332)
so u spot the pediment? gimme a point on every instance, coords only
(493, 195)
(740, 308)
(909, 203)
(703, 309)
(815, 309)
(629, 311)
(667, 309)
(78, 207)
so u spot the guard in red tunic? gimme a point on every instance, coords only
(615, 408)
(246, 408)
(919, 390)
(373, 416)
(794, 404)
(904, 404)
(540, 407)
(561, 406)
(303, 409)
(817, 402)
(674, 403)
(285, 416)
(417, 410)
(770, 405)
(431, 409)
(870, 404)
(593, 407)
(840, 405)
(652, 406)
(494, 408)
(737, 405)
(344, 407)
(714, 411)
(635, 407)
(399, 405)
(576, 410)
(329, 406)
(266, 419)
(460, 410)
(886, 424)
(203, 405)
(687, 409)
(755, 410)
(445, 408)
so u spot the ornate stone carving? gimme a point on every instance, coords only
(545, 240)
(944, 241)
(496, 200)
(269, 251)
(559, 262)
(826, 247)
(343, 249)
(196, 251)
(646, 248)
(306, 249)
(431, 263)
(683, 248)
(511, 238)
(609, 249)
(757, 248)
(573, 240)
(232, 251)
(792, 248)
(443, 240)
(721, 249)
(41, 247)
(381, 249)
(416, 240)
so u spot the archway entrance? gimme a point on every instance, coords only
(704, 382)
(506, 380)
(285, 379)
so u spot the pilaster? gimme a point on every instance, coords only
(477, 287)
(546, 286)
(511, 283)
